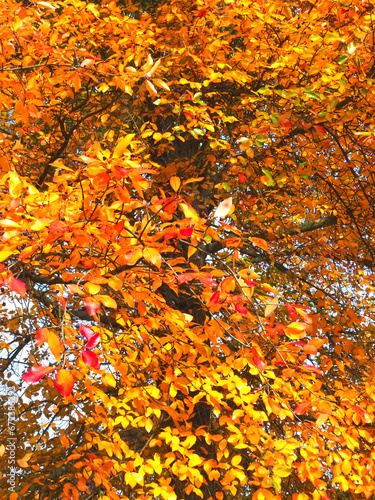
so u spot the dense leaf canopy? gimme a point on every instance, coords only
(187, 249)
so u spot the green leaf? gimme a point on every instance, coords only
(351, 48)
(267, 173)
(315, 38)
(343, 59)
(275, 119)
(312, 95)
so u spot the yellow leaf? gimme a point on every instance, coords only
(122, 145)
(115, 283)
(2, 450)
(152, 256)
(40, 224)
(9, 223)
(191, 251)
(4, 254)
(295, 330)
(268, 288)
(175, 183)
(189, 212)
(109, 379)
(248, 274)
(91, 288)
(282, 470)
(107, 301)
(46, 4)
(160, 84)
(54, 344)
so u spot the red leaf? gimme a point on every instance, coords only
(56, 227)
(214, 299)
(202, 13)
(93, 342)
(2, 267)
(250, 283)
(302, 408)
(169, 236)
(41, 336)
(91, 359)
(242, 178)
(187, 113)
(62, 301)
(207, 280)
(291, 311)
(91, 305)
(16, 285)
(241, 309)
(64, 382)
(86, 331)
(92, 337)
(258, 360)
(312, 368)
(187, 232)
(36, 373)
(321, 129)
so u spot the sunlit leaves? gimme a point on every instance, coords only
(186, 223)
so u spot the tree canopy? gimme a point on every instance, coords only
(187, 223)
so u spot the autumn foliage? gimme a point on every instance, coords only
(187, 224)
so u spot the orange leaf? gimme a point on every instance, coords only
(302, 408)
(64, 382)
(122, 145)
(133, 257)
(259, 242)
(54, 344)
(175, 183)
(75, 289)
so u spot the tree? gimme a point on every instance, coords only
(187, 223)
